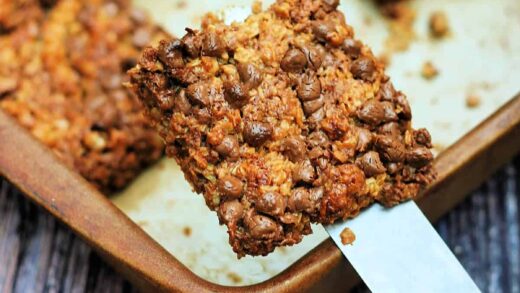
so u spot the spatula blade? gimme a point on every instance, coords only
(398, 250)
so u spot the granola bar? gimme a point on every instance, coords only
(283, 120)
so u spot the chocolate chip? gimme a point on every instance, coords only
(230, 186)
(181, 103)
(141, 37)
(228, 147)
(352, 48)
(170, 53)
(294, 148)
(294, 61)
(213, 45)
(390, 129)
(304, 171)
(390, 148)
(322, 29)
(423, 137)
(198, 93)
(310, 107)
(389, 112)
(371, 164)
(364, 69)
(387, 92)
(262, 227)
(405, 110)
(330, 5)
(314, 56)
(256, 133)
(192, 43)
(317, 139)
(419, 157)
(271, 203)
(249, 74)
(317, 116)
(290, 218)
(375, 112)
(309, 88)
(231, 211)
(236, 94)
(203, 115)
(305, 200)
(316, 194)
(300, 200)
(364, 140)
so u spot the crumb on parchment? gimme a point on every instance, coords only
(472, 101)
(186, 231)
(439, 25)
(347, 236)
(429, 71)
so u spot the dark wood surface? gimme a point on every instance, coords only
(37, 254)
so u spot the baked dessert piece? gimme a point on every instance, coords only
(282, 120)
(13, 13)
(61, 78)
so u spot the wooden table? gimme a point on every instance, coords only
(37, 254)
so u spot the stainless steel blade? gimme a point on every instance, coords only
(398, 250)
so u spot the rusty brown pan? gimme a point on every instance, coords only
(38, 173)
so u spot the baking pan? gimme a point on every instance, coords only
(44, 179)
(151, 267)
(162, 203)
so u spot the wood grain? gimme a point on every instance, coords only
(39, 255)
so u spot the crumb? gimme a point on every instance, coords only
(186, 231)
(472, 101)
(401, 18)
(181, 4)
(439, 26)
(234, 277)
(347, 236)
(429, 71)
(257, 7)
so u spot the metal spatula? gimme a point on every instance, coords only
(397, 250)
